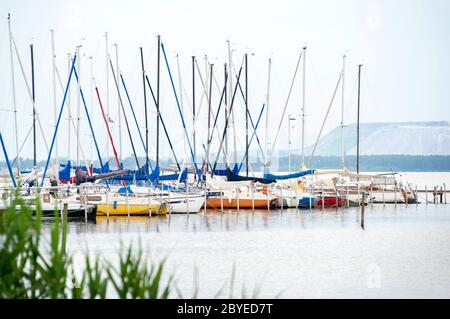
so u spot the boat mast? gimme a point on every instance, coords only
(193, 110)
(107, 93)
(357, 122)
(34, 110)
(14, 95)
(118, 108)
(342, 111)
(181, 96)
(157, 99)
(267, 117)
(209, 115)
(54, 90)
(303, 107)
(92, 104)
(225, 154)
(145, 108)
(69, 117)
(246, 114)
(78, 106)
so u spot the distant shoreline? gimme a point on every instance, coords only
(368, 163)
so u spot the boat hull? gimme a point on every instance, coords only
(244, 203)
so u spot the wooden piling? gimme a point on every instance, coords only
(253, 197)
(237, 199)
(187, 198)
(426, 195)
(281, 192)
(221, 200)
(445, 194)
(323, 199)
(362, 210)
(64, 223)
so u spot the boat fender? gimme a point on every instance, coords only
(115, 204)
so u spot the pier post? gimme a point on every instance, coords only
(128, 204)
(359, 194)
(85, 205)
(445, 195)
(253, 198)
(348, 196)
(362, 210)
(221, 200)
(267, 194)
(237, 199)
(416, 196)
(149, 208)
(441, 193)
(434, 195)
(168, 200)
(187, 198)
(323, 199)
(426, 195)
(107, 204)
(281, 193)
(64, 220)
(395, 194)
(371, 193)
(205, 205)
(337, 200)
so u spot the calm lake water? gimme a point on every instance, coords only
(404, 252)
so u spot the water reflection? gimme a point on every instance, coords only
(318, 253)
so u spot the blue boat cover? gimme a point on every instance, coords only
(289, 176)
(223, 172)
(231, 177)
(64, 174)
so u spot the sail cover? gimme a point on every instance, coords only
(289, 176)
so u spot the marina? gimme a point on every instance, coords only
(217, 156)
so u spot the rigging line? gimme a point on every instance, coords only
(285, 107)
(88, 118)
(226, 121)
(253, 135)
(59, 118)
(205, 94)
(323, 123)
(162, 122)
(30, 95)
(124, 115)
(179, 110)
(70, 116)
(20, 149)
(251, 119)
(134, 115)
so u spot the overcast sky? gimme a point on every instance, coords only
(403, 46)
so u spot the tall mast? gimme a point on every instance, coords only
(157, 99)
(55, 114)
(181, 97)
(34, 110)
(303, 107)
(14, 95)
(267, 116)
(92, 100)
(209, 115)
(230, 89)
(342, 112)
(69, 116)
(78, 106)
(107, 92)
(225, 154)
(193, 109)
(246, 114)
(118, 108)
(145, 108)
(357, 122)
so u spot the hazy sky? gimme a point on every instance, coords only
(403, 46)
